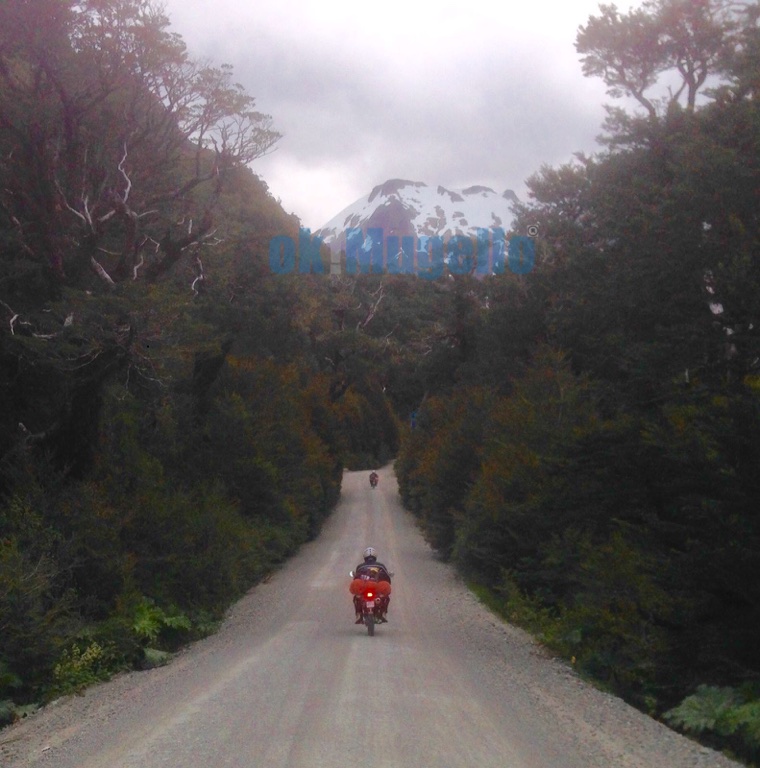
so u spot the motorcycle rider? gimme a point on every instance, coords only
(377, 572)
(373, 478)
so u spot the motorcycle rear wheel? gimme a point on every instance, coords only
(369, 620)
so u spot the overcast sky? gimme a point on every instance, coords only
(452, 93)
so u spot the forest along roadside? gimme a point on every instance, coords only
(290, 680)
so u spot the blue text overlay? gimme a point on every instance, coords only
(489, 252)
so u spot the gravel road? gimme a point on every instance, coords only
(290, 680)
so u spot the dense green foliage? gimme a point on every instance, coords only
(599, 475)
(170, 430)
(176, 418)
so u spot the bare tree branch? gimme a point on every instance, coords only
(199, 277)
(100, 272)
(137, 266)
(125, 196)
(372, 308)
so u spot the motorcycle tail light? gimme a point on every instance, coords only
(370, 594)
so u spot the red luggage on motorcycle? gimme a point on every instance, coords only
(358, 586)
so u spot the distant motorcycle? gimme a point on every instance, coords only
(373, 479)
(369, 599)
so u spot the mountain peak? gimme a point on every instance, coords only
(484, 191)
(402, 208)
(387, 188)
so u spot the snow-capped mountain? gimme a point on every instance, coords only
(400, 208)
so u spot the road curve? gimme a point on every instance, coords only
(290, 682)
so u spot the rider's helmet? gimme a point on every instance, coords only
(370, 555)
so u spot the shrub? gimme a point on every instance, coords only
(727, 716)
(78, 668)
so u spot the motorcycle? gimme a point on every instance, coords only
(370, 597)
(373, 478)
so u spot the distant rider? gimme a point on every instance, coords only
(373, 478)
(377, 572)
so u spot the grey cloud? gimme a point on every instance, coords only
(491, 118)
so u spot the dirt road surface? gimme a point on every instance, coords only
(291, 682)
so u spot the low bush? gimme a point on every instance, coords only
(722, 715)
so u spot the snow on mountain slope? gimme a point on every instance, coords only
(401, 207)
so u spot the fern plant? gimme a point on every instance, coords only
(150, 620)
(706, 710)
(733, 715)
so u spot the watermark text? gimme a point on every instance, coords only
(489, 252)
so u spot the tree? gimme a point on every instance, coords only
(631, 52)
(624, 51)
(116, 149)
(111, 135)
(615, 495)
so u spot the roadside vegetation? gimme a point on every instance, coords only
(170, 430)
(591, 463)
(580, 441)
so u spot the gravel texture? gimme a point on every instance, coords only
(291, 681)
